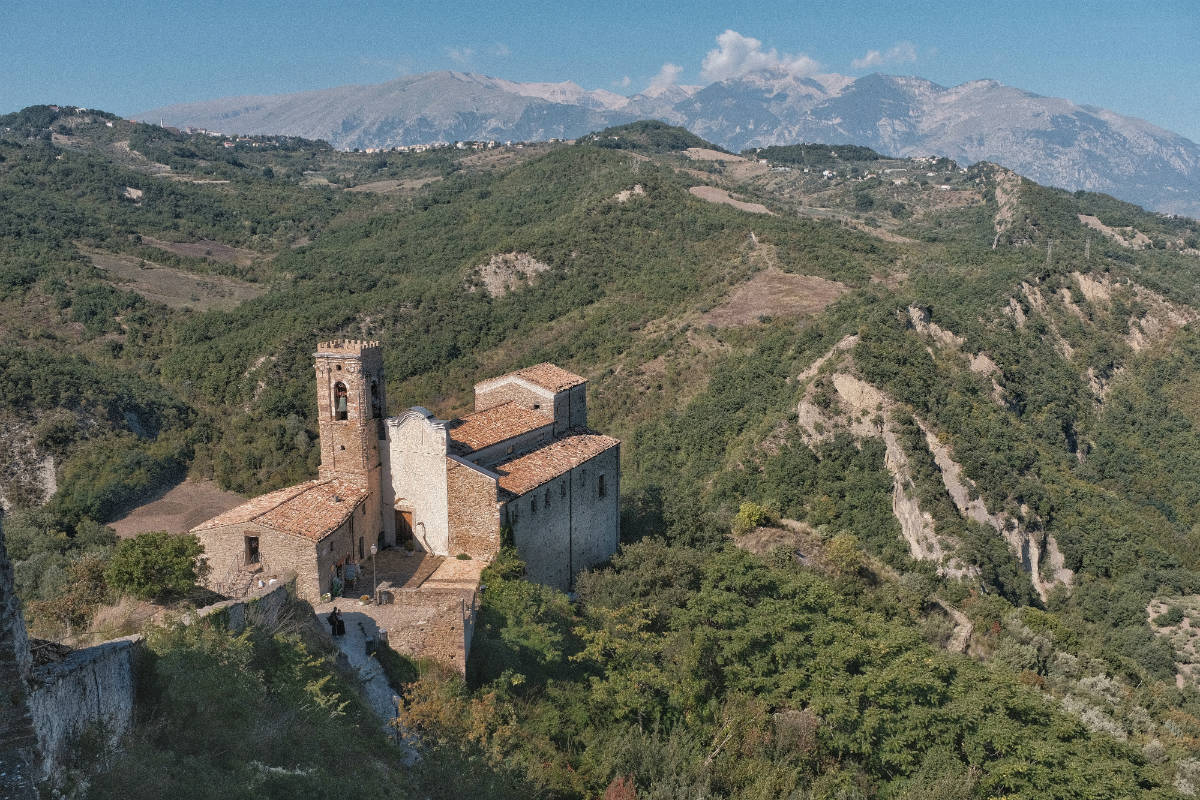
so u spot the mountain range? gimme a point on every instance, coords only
(1051, 140)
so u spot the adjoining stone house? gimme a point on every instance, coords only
(524, 460)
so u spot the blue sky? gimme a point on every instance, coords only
(1136, 58)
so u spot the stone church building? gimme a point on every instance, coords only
(524, 460)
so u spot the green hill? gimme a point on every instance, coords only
(950, 391)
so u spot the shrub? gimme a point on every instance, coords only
(844, 554)
(156, 565)
(749, 517)
(1172, 616)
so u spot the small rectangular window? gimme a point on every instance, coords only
(533, 505)
(562, 489)
(600, 486)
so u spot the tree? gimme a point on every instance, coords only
(749, 517)
(156, 565)
(844, 554)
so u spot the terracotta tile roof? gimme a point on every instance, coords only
(477, 431)
(312, 510)
(547, 463)
(545, 375)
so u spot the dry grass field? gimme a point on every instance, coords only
(173, 287)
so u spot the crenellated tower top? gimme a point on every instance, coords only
(346, 346)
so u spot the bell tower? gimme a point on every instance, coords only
(350, 408)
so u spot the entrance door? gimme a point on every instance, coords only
(404, 529)
(251, 549)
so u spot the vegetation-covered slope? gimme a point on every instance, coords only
(953, 374)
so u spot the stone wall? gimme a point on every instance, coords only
(279, 553)
(542, 533)
(417, 446)
(340, 546)
(18, 741)
(574, 527)
(349, 446)
(423, 623)
(577, 406)
(474, 517)
(89, 687)
(261, 603)
(595, 519)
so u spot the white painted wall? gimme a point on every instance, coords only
(416, 472)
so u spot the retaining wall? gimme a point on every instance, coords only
(89, 687)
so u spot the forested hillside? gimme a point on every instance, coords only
(911, 463)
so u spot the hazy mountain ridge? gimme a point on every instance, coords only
(1052, 140)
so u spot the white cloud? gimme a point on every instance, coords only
(899, 53)
(667, 76)
(501, 49)
(460, 54)
(624, 82)
(735, 55)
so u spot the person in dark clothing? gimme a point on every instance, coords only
(336, 625)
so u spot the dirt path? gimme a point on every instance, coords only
(960, 640)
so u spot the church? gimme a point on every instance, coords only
(523, 463)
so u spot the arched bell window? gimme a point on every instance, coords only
(341, 400)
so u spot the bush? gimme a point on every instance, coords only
(750, 516)
(844, 554)
(1172, 616)
(156, 565)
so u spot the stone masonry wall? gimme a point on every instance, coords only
(474, 518)
(279, 553)
(264, 603)
(89, 687)
(341, 545)
(350, 445)
(543, 536)
(577, 405)
(595, 520)
(430, 624)
(18, 741)
(577, 530)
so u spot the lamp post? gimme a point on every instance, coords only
(374, 583)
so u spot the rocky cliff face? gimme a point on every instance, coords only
(18, 742)
(1051, 140)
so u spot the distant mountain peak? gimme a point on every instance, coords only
(1051, 140)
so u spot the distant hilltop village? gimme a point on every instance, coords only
(524, 462)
